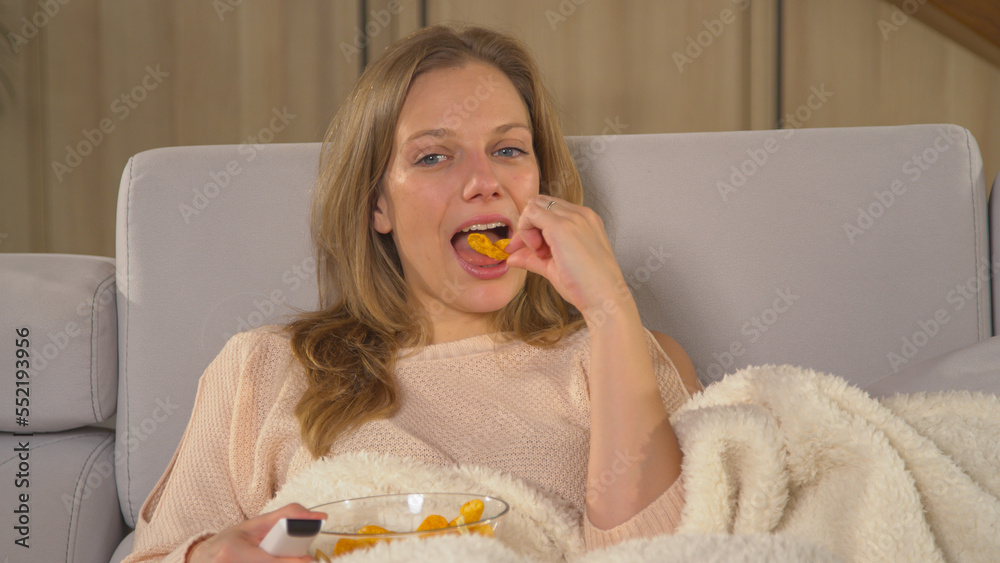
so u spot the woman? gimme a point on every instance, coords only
(450, 132)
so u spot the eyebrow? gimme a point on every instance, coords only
(442, 132)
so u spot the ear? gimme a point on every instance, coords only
(381, 215)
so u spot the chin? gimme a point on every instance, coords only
(491, 303)
(494, 297)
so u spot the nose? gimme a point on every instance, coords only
(481, 181)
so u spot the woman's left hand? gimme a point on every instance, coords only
(567, 244)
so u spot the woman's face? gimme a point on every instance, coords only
(462, 159)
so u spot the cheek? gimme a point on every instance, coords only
(524, 181)
(531, 189)
(417, 220)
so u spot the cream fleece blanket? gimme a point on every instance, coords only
(780, 464)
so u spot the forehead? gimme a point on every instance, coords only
(472, 95)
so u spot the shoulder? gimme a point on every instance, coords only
(579, 343)
(244, 347)
(260, 357)
(681, 361)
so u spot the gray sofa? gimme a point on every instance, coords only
(862, 252)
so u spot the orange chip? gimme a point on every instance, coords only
(433, 522)
(346, 546)
(483, 245)
(482, 529)
(472, 511)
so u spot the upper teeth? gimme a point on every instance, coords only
(483, 227)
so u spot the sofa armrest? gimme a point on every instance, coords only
(60, 499)
(994, 210)
(59, 332)
(124, 549)
(972, 368)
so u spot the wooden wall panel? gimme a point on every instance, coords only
(885, 70)
(111, 78)
(761, 68)
(138, 81)
(291, 58)
(389, 20)
(260, 58)
(22, 202)
(206, 86)
(318, 74)
(79, 124)
(607, 60)
(222, 68)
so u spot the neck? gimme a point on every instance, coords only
(457, 327)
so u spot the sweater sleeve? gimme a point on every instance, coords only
(663, 515)
(198, 494)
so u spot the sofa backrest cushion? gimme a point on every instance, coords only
(837, 249)
(855, 251)
(211, 241)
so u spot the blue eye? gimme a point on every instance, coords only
(430, 159)
(509, 152)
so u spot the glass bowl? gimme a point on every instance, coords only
(401, 514)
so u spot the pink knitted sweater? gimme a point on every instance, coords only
(508, 406)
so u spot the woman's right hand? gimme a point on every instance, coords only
(240, 543)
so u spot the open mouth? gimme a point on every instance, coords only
(460, 241)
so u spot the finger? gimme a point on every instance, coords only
(258, 527)
(527, 259)
(292, 510)
(296, 510)
(528, 244)
(516, 243)
(547, 202)
(534, 216)
(528, 238)
(554, 205)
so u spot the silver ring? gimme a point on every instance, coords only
(551, 203)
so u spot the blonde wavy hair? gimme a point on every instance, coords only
(350, 344)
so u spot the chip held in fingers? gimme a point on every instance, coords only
(483, 245)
